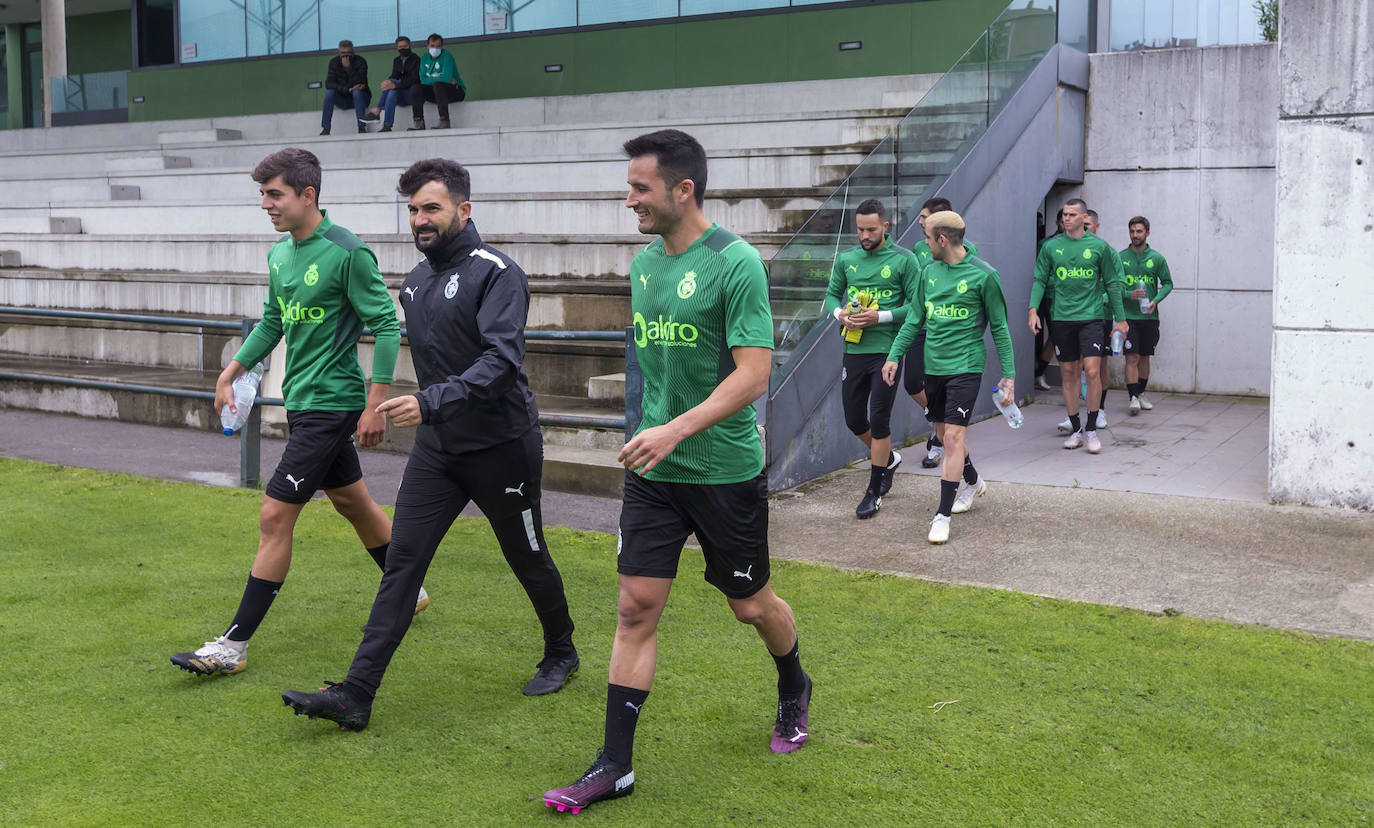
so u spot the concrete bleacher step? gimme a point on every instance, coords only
(580, 460)
(131, 163)
(198, 136)
(78, 192)
(562, 257)
(609, 388)
(12, 221)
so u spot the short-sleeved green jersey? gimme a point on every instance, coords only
(889, 273)
(320, 293)
(1082, 269)
(922, 252)
(1145, 269)
(959, 301)
(689, 311)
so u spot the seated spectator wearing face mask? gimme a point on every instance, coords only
(397, 89)
(346, 85)
(439, 82)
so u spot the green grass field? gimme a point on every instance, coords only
(1060, 713)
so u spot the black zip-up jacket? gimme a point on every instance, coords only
(465, 310)
(405, 71)
(343, 79)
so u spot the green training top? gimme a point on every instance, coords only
(443, 69)
(1083, 269)
(922, 252)
(1145, 269)
(890, 274)
(320, 294)
(959, 301)
(689, 311)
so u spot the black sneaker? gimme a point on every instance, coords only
(418, 126)
(385, 128)
(603, 780)
(791, 727)
(332, 702)
(554, 672)
(362, 128)
(935, 454)
(869, 506)
(324, 131)
(892, 463)
(371, 116)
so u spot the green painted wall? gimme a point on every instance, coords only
(99, 43)
(906, 38)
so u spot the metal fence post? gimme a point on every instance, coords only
(250, 436)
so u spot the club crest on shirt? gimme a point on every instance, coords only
(688, 285)
(451, 289)
(312, 275)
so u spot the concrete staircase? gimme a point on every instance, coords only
(163, 219)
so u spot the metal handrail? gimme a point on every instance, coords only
(250, 436)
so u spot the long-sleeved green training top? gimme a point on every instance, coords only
(953, 303)
(321, 292)
(889, 273)
(1082, 269)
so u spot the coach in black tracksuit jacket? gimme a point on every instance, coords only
(479, 440)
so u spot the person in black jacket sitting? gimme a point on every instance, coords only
(345, 85)
(405, 73)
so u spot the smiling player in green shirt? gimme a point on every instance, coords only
(1147, 278)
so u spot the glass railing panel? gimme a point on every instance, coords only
(799, 272)
(91, 92)
(1017, 39)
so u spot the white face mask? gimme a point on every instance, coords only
(434, 51)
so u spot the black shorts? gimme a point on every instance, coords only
(1142, 336)
(867, 399)
(1075, 340)
(319, 455)
(951, 397)
(730, 521)
(914, 378)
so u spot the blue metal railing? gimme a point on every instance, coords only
(249, 436)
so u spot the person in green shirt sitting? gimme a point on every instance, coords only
(439, 82)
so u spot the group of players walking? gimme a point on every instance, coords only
(703, 335)
(927, 309)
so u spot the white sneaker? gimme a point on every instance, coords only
(964, 500)
(215, 658)
(1144, 403)
(939, 529)
(1134, 408)
(1042, 383)
(933, 457)
(1065, 427)
(1075, 440)
(1094, 444)
(1101, 419)
(422, 601)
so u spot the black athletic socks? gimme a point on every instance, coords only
(948, 489)
(1092, 421)
(378, 554)
(791, 679)
(1075, 422)
(1143, 382)
(970, 473)
(622, 714)
(1135, 389)
(257, 600)
(875, 479)
(1102, 403)
(933, 441)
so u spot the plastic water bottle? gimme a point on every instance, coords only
(1145, 304)
(1117, 339)
(1010, 411)
(1083, 385)
(245, 392)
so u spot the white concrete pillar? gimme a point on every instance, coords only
(1321, 447)
(53, 22)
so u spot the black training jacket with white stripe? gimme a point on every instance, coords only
(465, 310)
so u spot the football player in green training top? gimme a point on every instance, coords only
(323, 287)
(914, 377)
(1083, 266)
(703, 333)
(870, 287)
(1148, 281)
(959, 296)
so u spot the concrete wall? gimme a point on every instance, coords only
(1321, 429)
(1186, 137)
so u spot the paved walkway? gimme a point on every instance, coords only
(1219, 552)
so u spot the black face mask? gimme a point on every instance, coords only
(404, 52)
